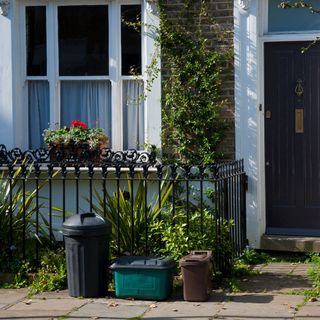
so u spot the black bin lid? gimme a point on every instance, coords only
(142, 262)
(86, 224)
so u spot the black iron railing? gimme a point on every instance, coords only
(39, 189)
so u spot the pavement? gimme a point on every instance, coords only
(275, 292)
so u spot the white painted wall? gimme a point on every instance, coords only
(247, 116)
(6, 96)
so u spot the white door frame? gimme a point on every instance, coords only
(251, 32)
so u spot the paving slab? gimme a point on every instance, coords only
(184, 310)
(276, 283)
(308, 312)
(313, 303)
(260, 307)
(105, 311)
(63, 294)
(128, 302)
(30, 315)
(10, 296)
(301, 269)
(277, 268)
(49, 304)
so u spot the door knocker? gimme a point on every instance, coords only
(299, 89)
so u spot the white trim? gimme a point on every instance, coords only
(114, 72)
(289, 37)
(19, 54)
(261, 190)
(153, 100)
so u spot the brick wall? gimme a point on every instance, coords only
(222, 12)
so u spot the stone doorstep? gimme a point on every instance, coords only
(290, 243)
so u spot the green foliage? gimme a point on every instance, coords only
(251, 257)
(52, 275)
(75, 134)
(192, 123)
(298, 4)
(178, 238)
(141, 212)
(21, 277)
(18, 209)
(314, 271)
(168, 235)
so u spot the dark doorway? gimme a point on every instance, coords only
(292, 138)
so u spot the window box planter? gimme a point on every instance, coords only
(73, 153)
(76, 143)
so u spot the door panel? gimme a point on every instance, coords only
(292, 157)
(311, 142)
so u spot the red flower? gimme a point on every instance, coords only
(78, 123)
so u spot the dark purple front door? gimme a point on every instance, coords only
(292, 139)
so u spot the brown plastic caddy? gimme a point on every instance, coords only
(196, 273)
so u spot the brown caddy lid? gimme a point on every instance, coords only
(196, 258)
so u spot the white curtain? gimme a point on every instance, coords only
(133, 115)
(87, 101)
(39, 111)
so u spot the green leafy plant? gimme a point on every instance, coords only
(314, 271)
(178, 238)
(131, 199)
(77, 133)
(21, 276)
(18, 211)
(251, 256)
(52, 274)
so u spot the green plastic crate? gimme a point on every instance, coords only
(143, 277)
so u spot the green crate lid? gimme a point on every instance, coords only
(143, 262)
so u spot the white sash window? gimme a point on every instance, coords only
(87, 62)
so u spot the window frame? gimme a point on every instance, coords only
(152, 124)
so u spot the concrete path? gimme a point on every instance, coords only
(267, 295)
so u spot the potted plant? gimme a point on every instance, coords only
(76, 142)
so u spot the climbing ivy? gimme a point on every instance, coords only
(298, 4)
(192, 126)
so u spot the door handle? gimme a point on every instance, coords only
(299, 120)
(299, 88)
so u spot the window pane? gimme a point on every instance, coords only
(83, 40)
(131, 39)
(36, 41)
(133, 115)
(281, 20)
(39, 112)
(88, 101)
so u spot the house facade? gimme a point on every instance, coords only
(65, 60)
